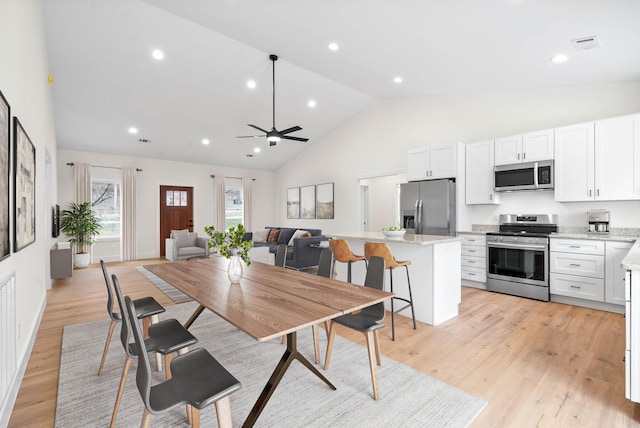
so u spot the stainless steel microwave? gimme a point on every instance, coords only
(524, 176)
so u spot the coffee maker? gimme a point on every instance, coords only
(598, 221)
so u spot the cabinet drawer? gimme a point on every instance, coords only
(474, 251)
(474, 274)
(577, 264)
(474, 240)
(582, 246)
(476, 262)
(577, 286)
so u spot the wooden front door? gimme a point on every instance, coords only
(176, 211)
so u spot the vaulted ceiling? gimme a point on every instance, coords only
(106, 80)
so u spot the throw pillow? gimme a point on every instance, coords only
(182, 238)
(260, 235)
(298, 234)
(273, 236)
(193, 236)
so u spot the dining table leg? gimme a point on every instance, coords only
(194, 316)
(290, 354)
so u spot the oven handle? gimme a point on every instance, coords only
(517, 246)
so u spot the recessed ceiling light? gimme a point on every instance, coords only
(558, 59)
(397, 79)
(158, 54)
(133, 130)
(257, 150)
(333, 46)
(311, 103)
(251, 84)
(206, 142)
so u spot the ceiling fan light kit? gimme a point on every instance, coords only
(274, 135)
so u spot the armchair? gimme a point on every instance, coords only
(182, 245)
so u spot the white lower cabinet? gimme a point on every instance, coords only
(474, 260)
(614, 291)
(577, 268)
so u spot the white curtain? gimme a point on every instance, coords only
(220, 220)
(128, 220)
(82, 182)
(247, 185)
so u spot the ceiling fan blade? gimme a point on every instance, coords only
(290, 130)
(286, 137)
(251, 136)
(257, 127)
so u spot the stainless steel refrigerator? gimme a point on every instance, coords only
(429, 207)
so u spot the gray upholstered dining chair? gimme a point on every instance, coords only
(146, 308)
(281, 255)
(165, 337)
(198, 381)
(368, 321)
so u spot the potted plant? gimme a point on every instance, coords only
(231, 245)
(81, 224)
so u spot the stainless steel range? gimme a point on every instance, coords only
(518, 255)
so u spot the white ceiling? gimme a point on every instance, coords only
(106, 80)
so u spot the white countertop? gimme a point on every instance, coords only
(593, 236)
(407, 238)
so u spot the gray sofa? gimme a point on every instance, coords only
(301, 254)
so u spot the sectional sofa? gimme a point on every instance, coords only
(300, 252)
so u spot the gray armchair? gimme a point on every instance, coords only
(182, 245)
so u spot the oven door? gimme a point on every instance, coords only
(522, 263)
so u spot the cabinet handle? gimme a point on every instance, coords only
(471, 240)
(471, 261)
(490, 196)
(598, 192)
(471, 274)
(575, 286)
(574, 264)
(574, 246)
(472, 251)
(589, 192)
(524, 156)
(518, 156)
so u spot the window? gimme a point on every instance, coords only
(176, 198)
(105, 201)
(233, 202)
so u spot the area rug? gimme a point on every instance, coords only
(173, 293)
(408, 398)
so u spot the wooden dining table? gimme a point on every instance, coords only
(269, 302)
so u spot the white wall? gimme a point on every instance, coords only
(23, 81)
(375, 143)
(160, 172)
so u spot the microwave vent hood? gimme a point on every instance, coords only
(524, 176)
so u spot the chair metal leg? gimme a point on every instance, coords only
(332, 335)
(112, 326)
(223, 412)
(393, 312)
(123, 382)
(349, 272)
(372, 364)
(413, 315)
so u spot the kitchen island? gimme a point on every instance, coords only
(434, 271)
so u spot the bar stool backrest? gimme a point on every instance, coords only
(380, 249)
(341, 250)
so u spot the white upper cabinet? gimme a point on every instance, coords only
(617, 158)
(537, 146)
(479, 173)
(530, 147)
(508, 150)
(598, 160)
(430, 163)
(574, 162)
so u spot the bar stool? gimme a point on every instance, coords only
(381, 249)
(342, 253)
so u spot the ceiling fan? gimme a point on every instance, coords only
(274, 135)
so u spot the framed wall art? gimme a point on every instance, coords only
(324, 201)
(5, 127)
(24, 170)
(308, 202)
(293, 202)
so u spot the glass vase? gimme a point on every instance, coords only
(234, 270)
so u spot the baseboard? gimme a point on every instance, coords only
(601, 306)
(5, 412)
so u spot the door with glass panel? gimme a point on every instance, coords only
(176, 211)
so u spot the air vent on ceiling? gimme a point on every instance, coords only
(585, 43)
(143, 140)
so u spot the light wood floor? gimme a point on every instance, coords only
(536, 364)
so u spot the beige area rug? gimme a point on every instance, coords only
(408, 398)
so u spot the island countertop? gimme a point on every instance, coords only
(407, 238)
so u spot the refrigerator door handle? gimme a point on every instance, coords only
(419, 228)
(416, 217)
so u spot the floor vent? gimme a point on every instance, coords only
(586, 43)
(8, 366)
